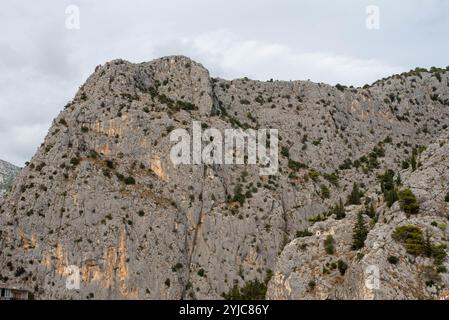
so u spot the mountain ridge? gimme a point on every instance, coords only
(102, 194)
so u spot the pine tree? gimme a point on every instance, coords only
(355, 195)
(413, 159)
(399, 180)
(369, 210)
(388, 187)
(427, 248)
(408, 202)
(360, 233)
(339, 210)
(391, 196)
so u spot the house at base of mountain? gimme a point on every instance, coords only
(8, 292)
(444, 295)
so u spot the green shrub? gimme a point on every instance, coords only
(285, 152)
(304, 233)
(411, 237)
(252, 290)
(388, 187)
(439, 253)
(109, 164)
(391, 196)
(311, 285)
(408, 202)
(177, 267)
(342, 267)
(75, 161)
(295, 165)
(346, 165)
(405, 164)
(259, 99)
(19, 271)
(324, 190)
(369, 210)
(441, 269)
(332, 178)
(393, 260)
(446, 198)
(329, 245)
(339, 210)
(63, 122)
(314, 175)
(129, 180)
(355, 195)
(238, 195)
(183, 105)
(201, 272)
(360, 233)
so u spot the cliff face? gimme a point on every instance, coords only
(7, 174)
(102, 194)
(383, 268)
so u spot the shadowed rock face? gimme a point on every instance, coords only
(7, 174)
(102, 194)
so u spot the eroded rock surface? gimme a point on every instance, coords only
(102, 194)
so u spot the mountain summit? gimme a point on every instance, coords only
(357, 209)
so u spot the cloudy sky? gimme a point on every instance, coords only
(42, 62)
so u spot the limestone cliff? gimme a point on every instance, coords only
(102, 194)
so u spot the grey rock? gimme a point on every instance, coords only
(102, 194)
(7, 173)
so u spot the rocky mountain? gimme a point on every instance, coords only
(357, 210)
(7, 174)
(306, 270)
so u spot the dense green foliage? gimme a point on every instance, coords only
(388, 187)
(408, 202)
(252, 290)
(360, 233)
(339, 210)
(355, 195)
(411, 237)
(342, 267)
(414, 242)
(303, 233)
(329, 245)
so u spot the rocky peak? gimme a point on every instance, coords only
(102, 195)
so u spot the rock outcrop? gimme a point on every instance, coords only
(382, 269)
(7, 173)
(102, 195)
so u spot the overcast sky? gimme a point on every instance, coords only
(42, 62)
